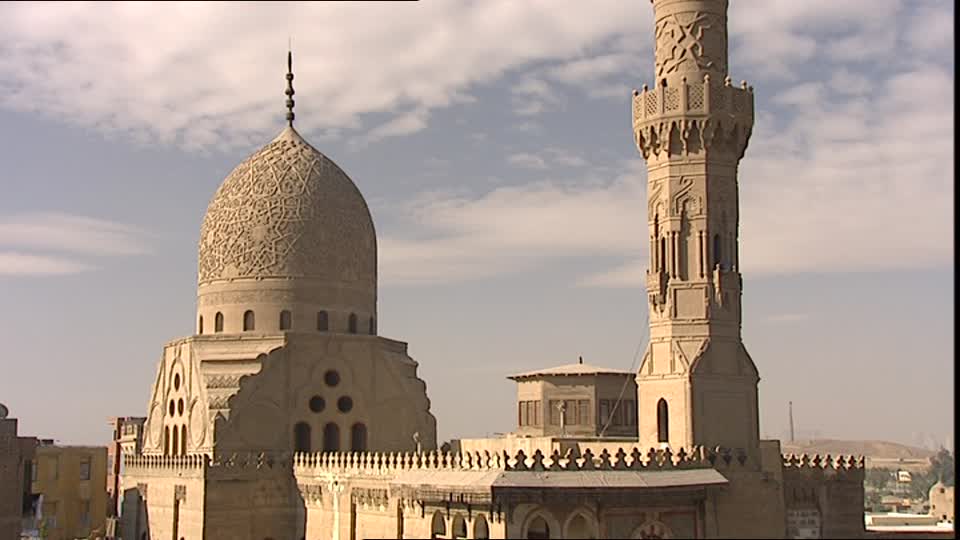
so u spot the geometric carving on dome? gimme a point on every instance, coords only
(287, 211)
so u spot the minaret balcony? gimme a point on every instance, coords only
(693, 100)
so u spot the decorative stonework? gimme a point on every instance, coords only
(288, 211)
(690, 41)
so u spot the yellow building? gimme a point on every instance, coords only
(71, 482)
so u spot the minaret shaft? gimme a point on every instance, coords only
(692, 128)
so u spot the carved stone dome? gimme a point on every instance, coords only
(288, 220)
(288, 211)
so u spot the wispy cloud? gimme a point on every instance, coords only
(72, 239)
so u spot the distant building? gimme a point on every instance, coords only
(16, 454)
(941, 502)
(69, 489)
(127, 439)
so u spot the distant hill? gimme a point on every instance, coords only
(872, 450)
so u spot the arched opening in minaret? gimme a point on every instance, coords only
(663, 421)
(331, 438)
(249, 322)
(218, 322)
(538, 528)
(301, 437)
(183, 440)
(352, 323)
(358, 438)
(323, 321)
(176, 440)
(286, 320)
(166, 441)
(662, 264)
(200, 325)
(716, 252)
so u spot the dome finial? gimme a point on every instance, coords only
(289, 91)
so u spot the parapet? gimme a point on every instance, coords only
(697, 98)
(847, 466)
(377, 464)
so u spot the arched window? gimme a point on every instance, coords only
(176, 440)
(200, 325)
(352, 323)
(538, 529)
(716, 251)
(301, 437)
(579, 527)
(183, 440)
(662, 265)
(166, 441)
(358, 438)
(438, 527)
(480, 530)
(323, 321)
(218, 322)
(459, 527)
(285, 320)
(663, 421)
(373, 326)
(248, 321)
(331, 438)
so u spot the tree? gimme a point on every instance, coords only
(942, 467)
(878, 478)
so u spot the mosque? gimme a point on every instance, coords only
(287, 416)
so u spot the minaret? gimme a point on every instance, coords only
(696, 384)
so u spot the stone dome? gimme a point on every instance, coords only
(288, 220)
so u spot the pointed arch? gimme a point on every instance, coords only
(481, 531)
(200, 325)
(301, 437)
(323, 321)
(183, 440)
(438, 526)
(218, 322)
(663, 421)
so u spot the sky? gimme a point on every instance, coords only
(492, 141)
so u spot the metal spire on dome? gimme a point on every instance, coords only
(289, 92)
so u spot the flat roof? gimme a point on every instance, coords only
(570, 369)
(561, 479)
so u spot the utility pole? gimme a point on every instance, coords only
(791, 422)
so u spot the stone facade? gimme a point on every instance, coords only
(16, 455)
(284, 417)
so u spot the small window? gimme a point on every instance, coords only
(331, 438)
(317, 404)
(85, 469)
(358, 438)
(176, 440)
(301, 437)
(166, 441)
(352, 323)
(200, 325)
(176, 381)
(218, 322)
(583, 411)
(716, 251)
(249, 323)
(373, 326)
(286, 320)
(345, 404)
(663, 421)
(180, 407)
(183, 440)
(332, 378)
(172, 408)
(323, 321)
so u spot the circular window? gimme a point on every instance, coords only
(180, 406)
(172, 407)
(176, 381)
(317, 404)
(345, 404)
(332, 378)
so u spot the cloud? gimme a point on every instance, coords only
(77, 236)
(527, 161)
(13, 263)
